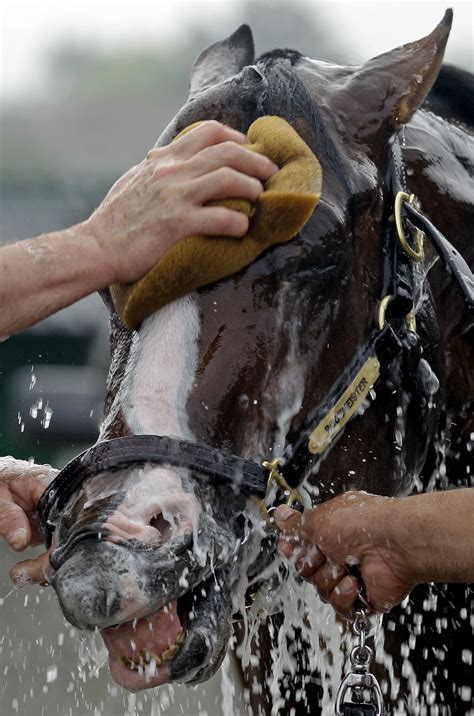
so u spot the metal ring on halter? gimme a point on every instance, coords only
(417, 253)
(410, 318)
(382, 310)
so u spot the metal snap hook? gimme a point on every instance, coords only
(275, 477)
(360, 679)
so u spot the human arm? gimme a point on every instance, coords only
(155, 204)
(395, 543)
(21, 486)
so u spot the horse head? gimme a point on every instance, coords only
(156, 558)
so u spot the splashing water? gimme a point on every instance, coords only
(38, 407)
(32, 379)
(47, 415)
(35, 408)
(307, 624)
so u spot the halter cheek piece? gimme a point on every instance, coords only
(401, 291)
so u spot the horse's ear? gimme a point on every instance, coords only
(392, 86)
(222, 60)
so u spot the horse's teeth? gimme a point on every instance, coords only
(128, 663)
(147, 656)
(170, 652)
(180, 637)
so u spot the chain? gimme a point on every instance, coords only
(361, 654)
(360, 681)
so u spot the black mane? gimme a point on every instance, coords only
(292, 55)
(452, 95)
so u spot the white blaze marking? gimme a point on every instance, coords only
(158, 379)
(161, 370)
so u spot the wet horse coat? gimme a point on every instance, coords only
(239, 364)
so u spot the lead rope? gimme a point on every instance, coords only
(360, 685)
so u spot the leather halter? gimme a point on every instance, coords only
(343, 401)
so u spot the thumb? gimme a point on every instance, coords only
(31, 570)
(286, 519)
(302, 526)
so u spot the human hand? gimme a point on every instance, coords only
(21, 486)
(354, 529)
(164, 198)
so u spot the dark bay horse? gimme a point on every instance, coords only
(161, 561)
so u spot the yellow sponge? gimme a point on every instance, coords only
(287, 202)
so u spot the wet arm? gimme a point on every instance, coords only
(435, 535)
(39, 276)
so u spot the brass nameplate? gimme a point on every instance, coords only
(348, 404)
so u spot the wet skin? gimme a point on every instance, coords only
(273, 339)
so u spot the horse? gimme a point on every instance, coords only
(161, 560)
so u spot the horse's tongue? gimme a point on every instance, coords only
(153, 634)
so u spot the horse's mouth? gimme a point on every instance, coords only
(184, 641)
(159, 625)
(164, 610)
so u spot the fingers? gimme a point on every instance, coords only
(344, 594)
(218, 221)
(28, 490)
(330, 579)
(307, 558)
(31, 571)
(14, 524)
(327, 577)
(212, 146)
(21, 486)
(24, 482)
(335, 528)
(225, 183)
(164, 199)
(205, 135)
(313, 566)
(229, 154)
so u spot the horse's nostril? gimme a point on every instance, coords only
(163, 527)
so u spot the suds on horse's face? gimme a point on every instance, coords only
(240, 364)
